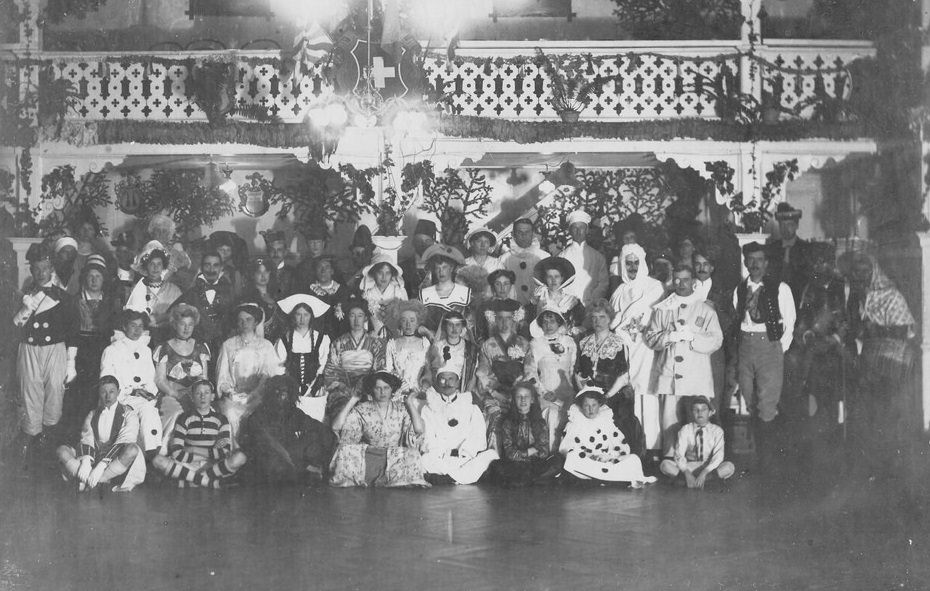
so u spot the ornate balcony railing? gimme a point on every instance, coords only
(647, 81)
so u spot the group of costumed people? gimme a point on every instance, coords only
(364, 370)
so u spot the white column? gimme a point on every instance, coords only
(20, 246)
(925, 328)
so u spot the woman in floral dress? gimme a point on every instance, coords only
(378, 438)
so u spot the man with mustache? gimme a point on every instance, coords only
(766, 313)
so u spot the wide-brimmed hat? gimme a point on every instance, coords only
(272, 236)
(385, 376)
(562, 265)
(481, 231)
(550, 310)
(444, 251)
(317, 306)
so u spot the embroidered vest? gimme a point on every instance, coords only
(303, 367)
(768, 306)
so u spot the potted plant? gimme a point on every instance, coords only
(771, 101)
(730, 104)
(572, 90)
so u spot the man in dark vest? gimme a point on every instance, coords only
(285, 274)
(765, 312)
(791, 256)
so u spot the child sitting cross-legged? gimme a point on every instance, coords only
(698, 452)
(199, 453)
(108, 452)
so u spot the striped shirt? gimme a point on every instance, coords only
(209, 432)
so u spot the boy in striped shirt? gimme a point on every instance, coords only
(200, 452)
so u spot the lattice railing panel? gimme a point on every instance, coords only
(642, 87)
(823, 71)
(156, 91)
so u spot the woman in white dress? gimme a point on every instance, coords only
(246, 361)
(405, 354)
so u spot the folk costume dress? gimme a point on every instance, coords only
(377, 449)
(454, 441)
(595, 449)
(500, 365)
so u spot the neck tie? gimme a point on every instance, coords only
(700, 444)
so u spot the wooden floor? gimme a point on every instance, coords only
(796, 532)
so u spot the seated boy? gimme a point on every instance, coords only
(108, 450)
(199, 453)
(698, 453)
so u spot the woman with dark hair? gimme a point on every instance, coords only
(451, 344)
(98, 308)
(594, 448)
(526, 458)
(352, 356)
(445, 295)
(330, 292)
(302, 349)
(260, 290)
(550, 362)
(245, 362)
(153, 294)
(553, 275)
(378, 438)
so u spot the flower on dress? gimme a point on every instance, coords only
(516, 352)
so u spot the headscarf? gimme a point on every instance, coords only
(636, 250)
(884, 305)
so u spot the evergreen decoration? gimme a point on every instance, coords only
(457, 198)
(608, 196)
(753, 214)
(212, 87)
(416, 177)
(67, 200)
(180, 194)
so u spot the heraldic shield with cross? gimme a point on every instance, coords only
(391, 77)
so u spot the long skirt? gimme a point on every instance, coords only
(359, 464)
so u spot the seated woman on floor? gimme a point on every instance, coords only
(594, 447)
(282, 444)
(245, 362)
(527, 458)
(379, 438)
(455, 448)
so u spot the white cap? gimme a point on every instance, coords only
(578, 217)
